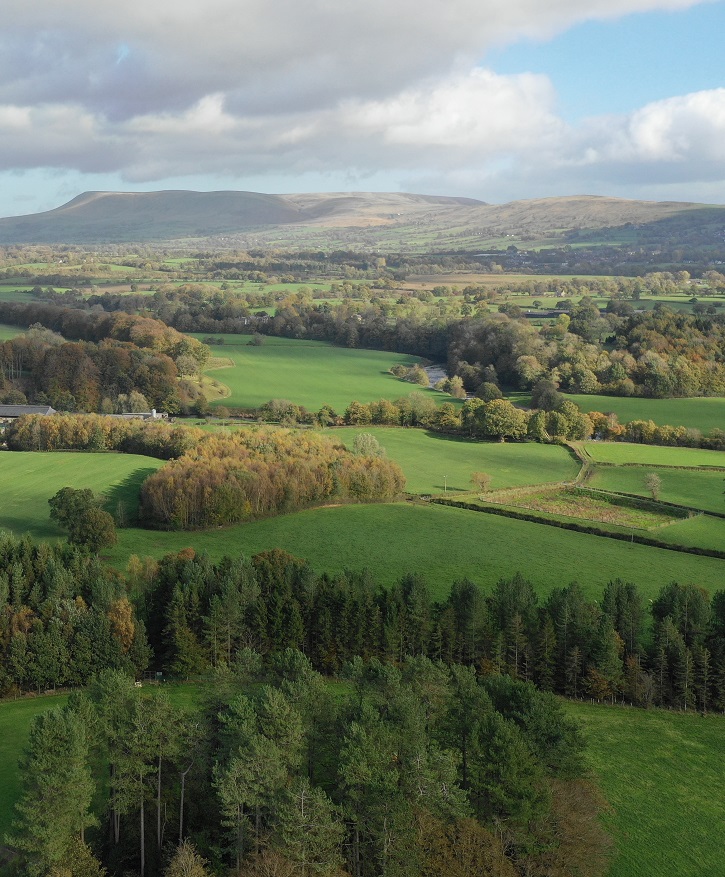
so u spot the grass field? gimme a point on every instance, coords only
(691, 487)
(698, 413)
(433, 462)
(442, 544)
(587, 506)
(29, 479)
(663, 774)
(7, 332)
(309, 373)
(621, 453)
(13, 294)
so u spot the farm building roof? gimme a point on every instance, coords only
(19, 410)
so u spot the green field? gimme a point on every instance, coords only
(691, 487)
(15, 295)
(29, 479)
(433, 462)
(621, 453)
(663, 774)
(697, 413)
(309, 373)
(7, 332)
(442, 544)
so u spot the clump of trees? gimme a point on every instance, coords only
(255, 473)
(80, 513)
(416, 769)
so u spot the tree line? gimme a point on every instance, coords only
(65, 616)
(97, 432)
(670, 652)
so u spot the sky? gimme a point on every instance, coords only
(491, 99)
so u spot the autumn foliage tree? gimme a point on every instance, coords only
(256, 473)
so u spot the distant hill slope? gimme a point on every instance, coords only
(380, 220)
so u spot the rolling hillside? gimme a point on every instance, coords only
(384, 221)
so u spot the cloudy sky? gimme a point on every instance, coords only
(492, 99)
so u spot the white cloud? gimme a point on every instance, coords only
(265, 55)
(356, 90)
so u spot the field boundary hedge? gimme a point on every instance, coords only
(580, 528)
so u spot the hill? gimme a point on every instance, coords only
(383, 221)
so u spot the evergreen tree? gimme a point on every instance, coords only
(54, 806)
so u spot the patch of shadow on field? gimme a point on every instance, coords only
(121, 500)
(460, 439)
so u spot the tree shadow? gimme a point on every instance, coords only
(121, 500)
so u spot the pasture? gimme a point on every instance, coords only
(433, 462)
(30, 478)
(588, 506)
(7, 332)
(697, 488)
(622, 453)
(440, 543)
(703, 413)
(309, 373)
(662, 773)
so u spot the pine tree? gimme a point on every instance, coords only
(54, 807)
(310, 830)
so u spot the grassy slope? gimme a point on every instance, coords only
(651, 455)
(29, 479)
(663, 774)
(443, 544)
(7, 332)
(691, 487)
(426, 457)
(309, 373)
(698, 413)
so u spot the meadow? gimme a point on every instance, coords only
(623, 453)
(7, 332)
(696, 488)
(30, 478)
(433, 463)
(662, 773)
(703, 413)
(309, 373)
(442, 544)
(588, 506)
